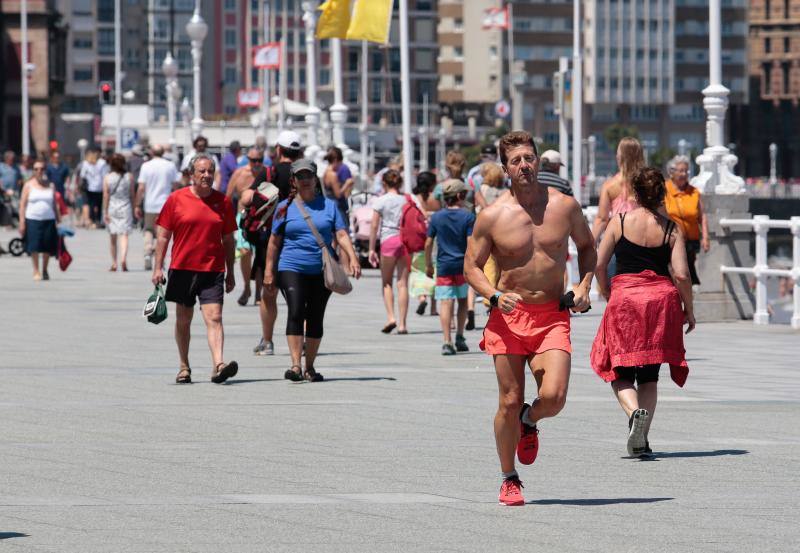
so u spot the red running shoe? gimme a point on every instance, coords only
(528, 445)
(511, 492)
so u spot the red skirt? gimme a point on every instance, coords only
(642, 325)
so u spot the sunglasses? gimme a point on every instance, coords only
(38, 168)
(255, 160)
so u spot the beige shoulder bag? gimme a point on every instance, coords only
(336, 280)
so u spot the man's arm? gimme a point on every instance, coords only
(479, 248)
(587, 256)
(137, 203)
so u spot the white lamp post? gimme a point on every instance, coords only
(577, 100)
(26, 122)
(170, 69)
(716, 162)
(338, 110)
(197, 29)
(312, 112)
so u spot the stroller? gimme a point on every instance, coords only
(360, 224)
(9, 215)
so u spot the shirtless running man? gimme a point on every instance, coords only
(241, 180)
(526, 232)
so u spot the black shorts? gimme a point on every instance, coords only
(641, 374)
(185, 287)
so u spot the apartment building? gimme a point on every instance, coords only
(773, 112)
(46, 54)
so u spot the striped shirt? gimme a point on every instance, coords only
(554, 180)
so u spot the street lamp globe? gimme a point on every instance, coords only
(196, 28)
(170, 67)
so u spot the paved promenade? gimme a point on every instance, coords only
(101, 452)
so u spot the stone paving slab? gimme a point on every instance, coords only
(100, 451)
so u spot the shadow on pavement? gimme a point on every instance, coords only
(246, 380)
(598, 502)
(358, 378)
(6, 535)
(690, 454)
(326, 353)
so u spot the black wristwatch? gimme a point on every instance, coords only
(495, 298)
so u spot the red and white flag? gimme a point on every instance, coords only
(495, 18)
(267, 56)
(249, 98)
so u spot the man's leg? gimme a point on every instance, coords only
(461, 317)
(551, 370)
(510, 371)
(183, 324)
(212, 314)
(445, 315)
(245, 262)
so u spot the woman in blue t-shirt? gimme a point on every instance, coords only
(298, 273)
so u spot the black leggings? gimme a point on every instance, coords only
(641, 374)
(306, 298)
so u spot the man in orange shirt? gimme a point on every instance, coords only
(685, 207)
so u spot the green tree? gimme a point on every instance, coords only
(616, 132)
(660, 157)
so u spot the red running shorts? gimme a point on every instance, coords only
(529, 329)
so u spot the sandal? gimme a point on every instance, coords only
(243, 298)
(184, 376)
(294, 376)
(423, 305)
(388, 328)
(225, 371)
(312, 375)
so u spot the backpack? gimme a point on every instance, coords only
(256, 216)
(413, 226)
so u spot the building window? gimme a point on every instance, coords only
(105, 42)
(352, 60)
(82, 41)
(424, 30)
(230, 5)
(230, 37)
(254, 37)
(82, 74)
(424, 60)
(458, 24)
(230, 75)
(105, 11)
(324, 77)
(458, 51)
(459, 80)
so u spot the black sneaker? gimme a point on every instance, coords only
(636, 438)
(461, 343)
(448, 349)
(470, 320)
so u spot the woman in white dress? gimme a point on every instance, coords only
(118, 199)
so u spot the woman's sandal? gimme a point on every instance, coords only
(184, 376)
(294, 376)
(224, 371)
(312, 375)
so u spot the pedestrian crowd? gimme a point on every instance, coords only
(498, 231)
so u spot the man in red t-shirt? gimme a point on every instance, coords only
(201, 223)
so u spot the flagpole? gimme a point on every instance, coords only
(283, 55)
(265, 100)
(577, 101)
(364, 113)
(405, 98)
(516, 104)
(338, 110)
(312, 111)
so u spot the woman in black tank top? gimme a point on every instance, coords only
(647, 307)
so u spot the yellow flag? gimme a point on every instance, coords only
(371, 20)
(334, 20)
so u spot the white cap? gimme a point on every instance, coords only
(289, 140)
(552, 157)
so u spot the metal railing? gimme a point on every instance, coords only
(761, 224)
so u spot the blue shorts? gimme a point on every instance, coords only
(451, 287)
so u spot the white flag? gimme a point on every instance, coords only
(267, 56)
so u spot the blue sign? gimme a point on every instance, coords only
(130, 137)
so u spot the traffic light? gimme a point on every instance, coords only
(105, 92)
